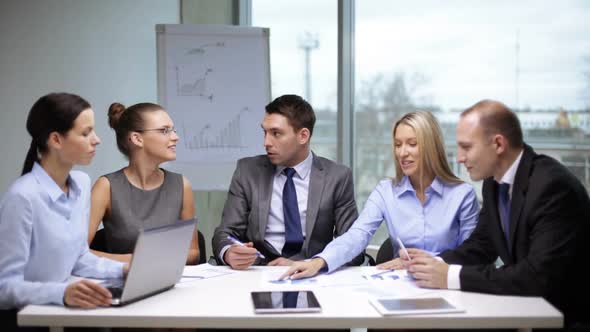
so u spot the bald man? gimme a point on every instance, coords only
(533, 221)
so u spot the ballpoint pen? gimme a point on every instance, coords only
(236, 241)
(403, 248)
(405, 251)
(194, 277)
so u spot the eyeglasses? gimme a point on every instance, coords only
(163, 130)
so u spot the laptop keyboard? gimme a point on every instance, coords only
(115, 286)
(116, 292)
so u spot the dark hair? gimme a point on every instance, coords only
(52, 112)
(125, 120)
(497, 118)
(298, 112)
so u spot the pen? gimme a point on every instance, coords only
(404, 250)
(236, 241)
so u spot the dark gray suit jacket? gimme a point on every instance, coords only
(331, 208)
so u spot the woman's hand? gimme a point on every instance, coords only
(394, 264)
(87, 294)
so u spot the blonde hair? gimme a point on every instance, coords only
(430, 142)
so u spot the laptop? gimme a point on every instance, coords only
(157, 264)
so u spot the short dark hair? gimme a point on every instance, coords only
(298, 112)
(497, 118)
(53, 112)
(125, 120)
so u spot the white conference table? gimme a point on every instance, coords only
(224, 302)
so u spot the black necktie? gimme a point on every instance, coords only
(293, 234)
(504, 209)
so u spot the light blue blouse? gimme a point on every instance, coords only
(43, 239)
(447, 217)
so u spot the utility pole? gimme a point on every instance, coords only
(308, 43)
(517, 70)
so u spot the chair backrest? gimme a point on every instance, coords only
(99, 241)
(369, 260)
(202, 248)
(386, 252)
(99, 244)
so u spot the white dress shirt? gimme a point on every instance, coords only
(275, 229)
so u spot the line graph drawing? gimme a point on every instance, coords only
(200, 50)
(196, 87)
(229, 136)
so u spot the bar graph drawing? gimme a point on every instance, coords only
(227, 137)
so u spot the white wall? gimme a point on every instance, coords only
(103, 50)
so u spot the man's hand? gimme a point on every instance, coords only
(429, 272)
(87, 294)
(307, 269)
(394, 264)
(240, 257)
(281, 261)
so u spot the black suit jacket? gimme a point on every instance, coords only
(549, 217)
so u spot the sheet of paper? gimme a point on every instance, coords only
(270, 280)
(367, 280)
(203, 271)
(387, 283)
(340, 278)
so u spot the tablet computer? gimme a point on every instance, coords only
(432, 305)
(285, 302)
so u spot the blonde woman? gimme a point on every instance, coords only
(425, 205)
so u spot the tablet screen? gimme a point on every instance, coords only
(281, 302)
(414, 306)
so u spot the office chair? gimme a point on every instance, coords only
(202, 248)
(386, 252)
(368, 261)
(99, 241)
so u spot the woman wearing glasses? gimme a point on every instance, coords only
(140, 195)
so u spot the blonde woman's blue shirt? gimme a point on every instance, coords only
(447, 217)
(43, 239)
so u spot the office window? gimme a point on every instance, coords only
(532, 55)
(303, 57)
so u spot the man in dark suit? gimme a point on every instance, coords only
(534, 219)
(288, 204)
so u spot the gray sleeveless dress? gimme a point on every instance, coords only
(133, 209)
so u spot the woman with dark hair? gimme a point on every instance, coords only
(140, 195)
(44, 214)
